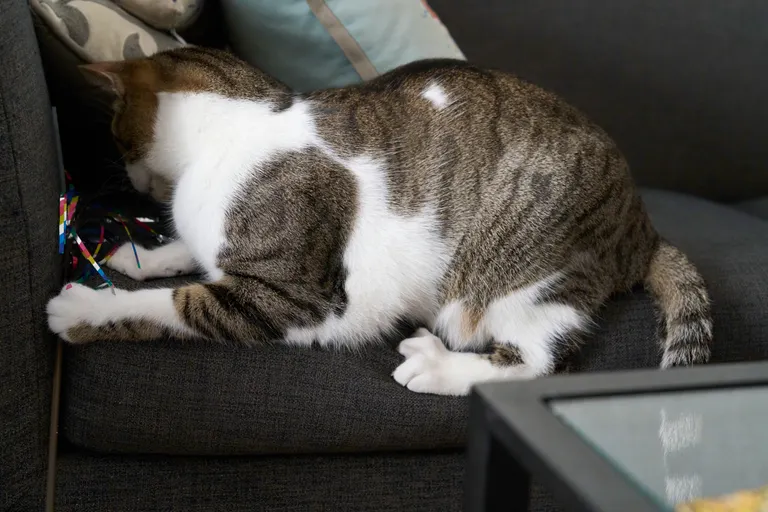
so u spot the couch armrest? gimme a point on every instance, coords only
(679, 84)
(28, 258)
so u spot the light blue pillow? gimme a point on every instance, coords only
(315, 44)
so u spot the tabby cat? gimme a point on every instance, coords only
(461, 199)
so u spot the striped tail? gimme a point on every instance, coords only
(682, 297)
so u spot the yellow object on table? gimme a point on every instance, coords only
(740, 501)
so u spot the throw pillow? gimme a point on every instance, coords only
(164, 14)
(99, 30)
(313, 44)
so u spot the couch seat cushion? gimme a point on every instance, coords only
(757, 207)
(203, 398)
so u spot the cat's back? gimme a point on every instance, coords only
(458, 138)
(433, 85)
(434, 109)
(409, 82)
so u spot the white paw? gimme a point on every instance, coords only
(77, 304)
(429, 367)
(124, 261)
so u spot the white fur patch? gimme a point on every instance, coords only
(78, 304)
(429, 367)
(516, 319)
(436, 95)
(394, 265)
(173, 259)
(140, 176)
(533, 328)
(212, 145)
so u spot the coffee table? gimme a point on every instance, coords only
(619, 442)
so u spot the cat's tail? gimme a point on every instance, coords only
(682, 297)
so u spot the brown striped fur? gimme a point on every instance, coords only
(525, 186)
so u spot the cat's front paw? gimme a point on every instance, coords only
(124, 261)
(75, 307)
(429, 367)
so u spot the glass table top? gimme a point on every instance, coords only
(681, 445)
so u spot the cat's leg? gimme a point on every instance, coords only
(173, 259)
(80, 314)
(532, 328)
(212, 311)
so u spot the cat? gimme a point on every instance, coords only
(464, 200)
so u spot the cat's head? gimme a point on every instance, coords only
(136, 85)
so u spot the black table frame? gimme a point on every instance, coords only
(514, 435)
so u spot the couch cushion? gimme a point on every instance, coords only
(757, 207)
(202, 398)
(388, 482)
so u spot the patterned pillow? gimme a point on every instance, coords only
(164, 14)
(313, 44)
(99, 30)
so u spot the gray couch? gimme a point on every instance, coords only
(200, 427)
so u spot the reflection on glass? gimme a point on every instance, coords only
(678, 446)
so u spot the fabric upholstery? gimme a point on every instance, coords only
(28, 223)
(757, 207)
(417, 481)
(679, 84)
(201, 398)
(354, 483)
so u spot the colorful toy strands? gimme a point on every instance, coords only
(87, 255)
(67, 205)
(104, 230)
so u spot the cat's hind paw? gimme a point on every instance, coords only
(75, 306)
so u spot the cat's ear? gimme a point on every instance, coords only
(106, 75)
